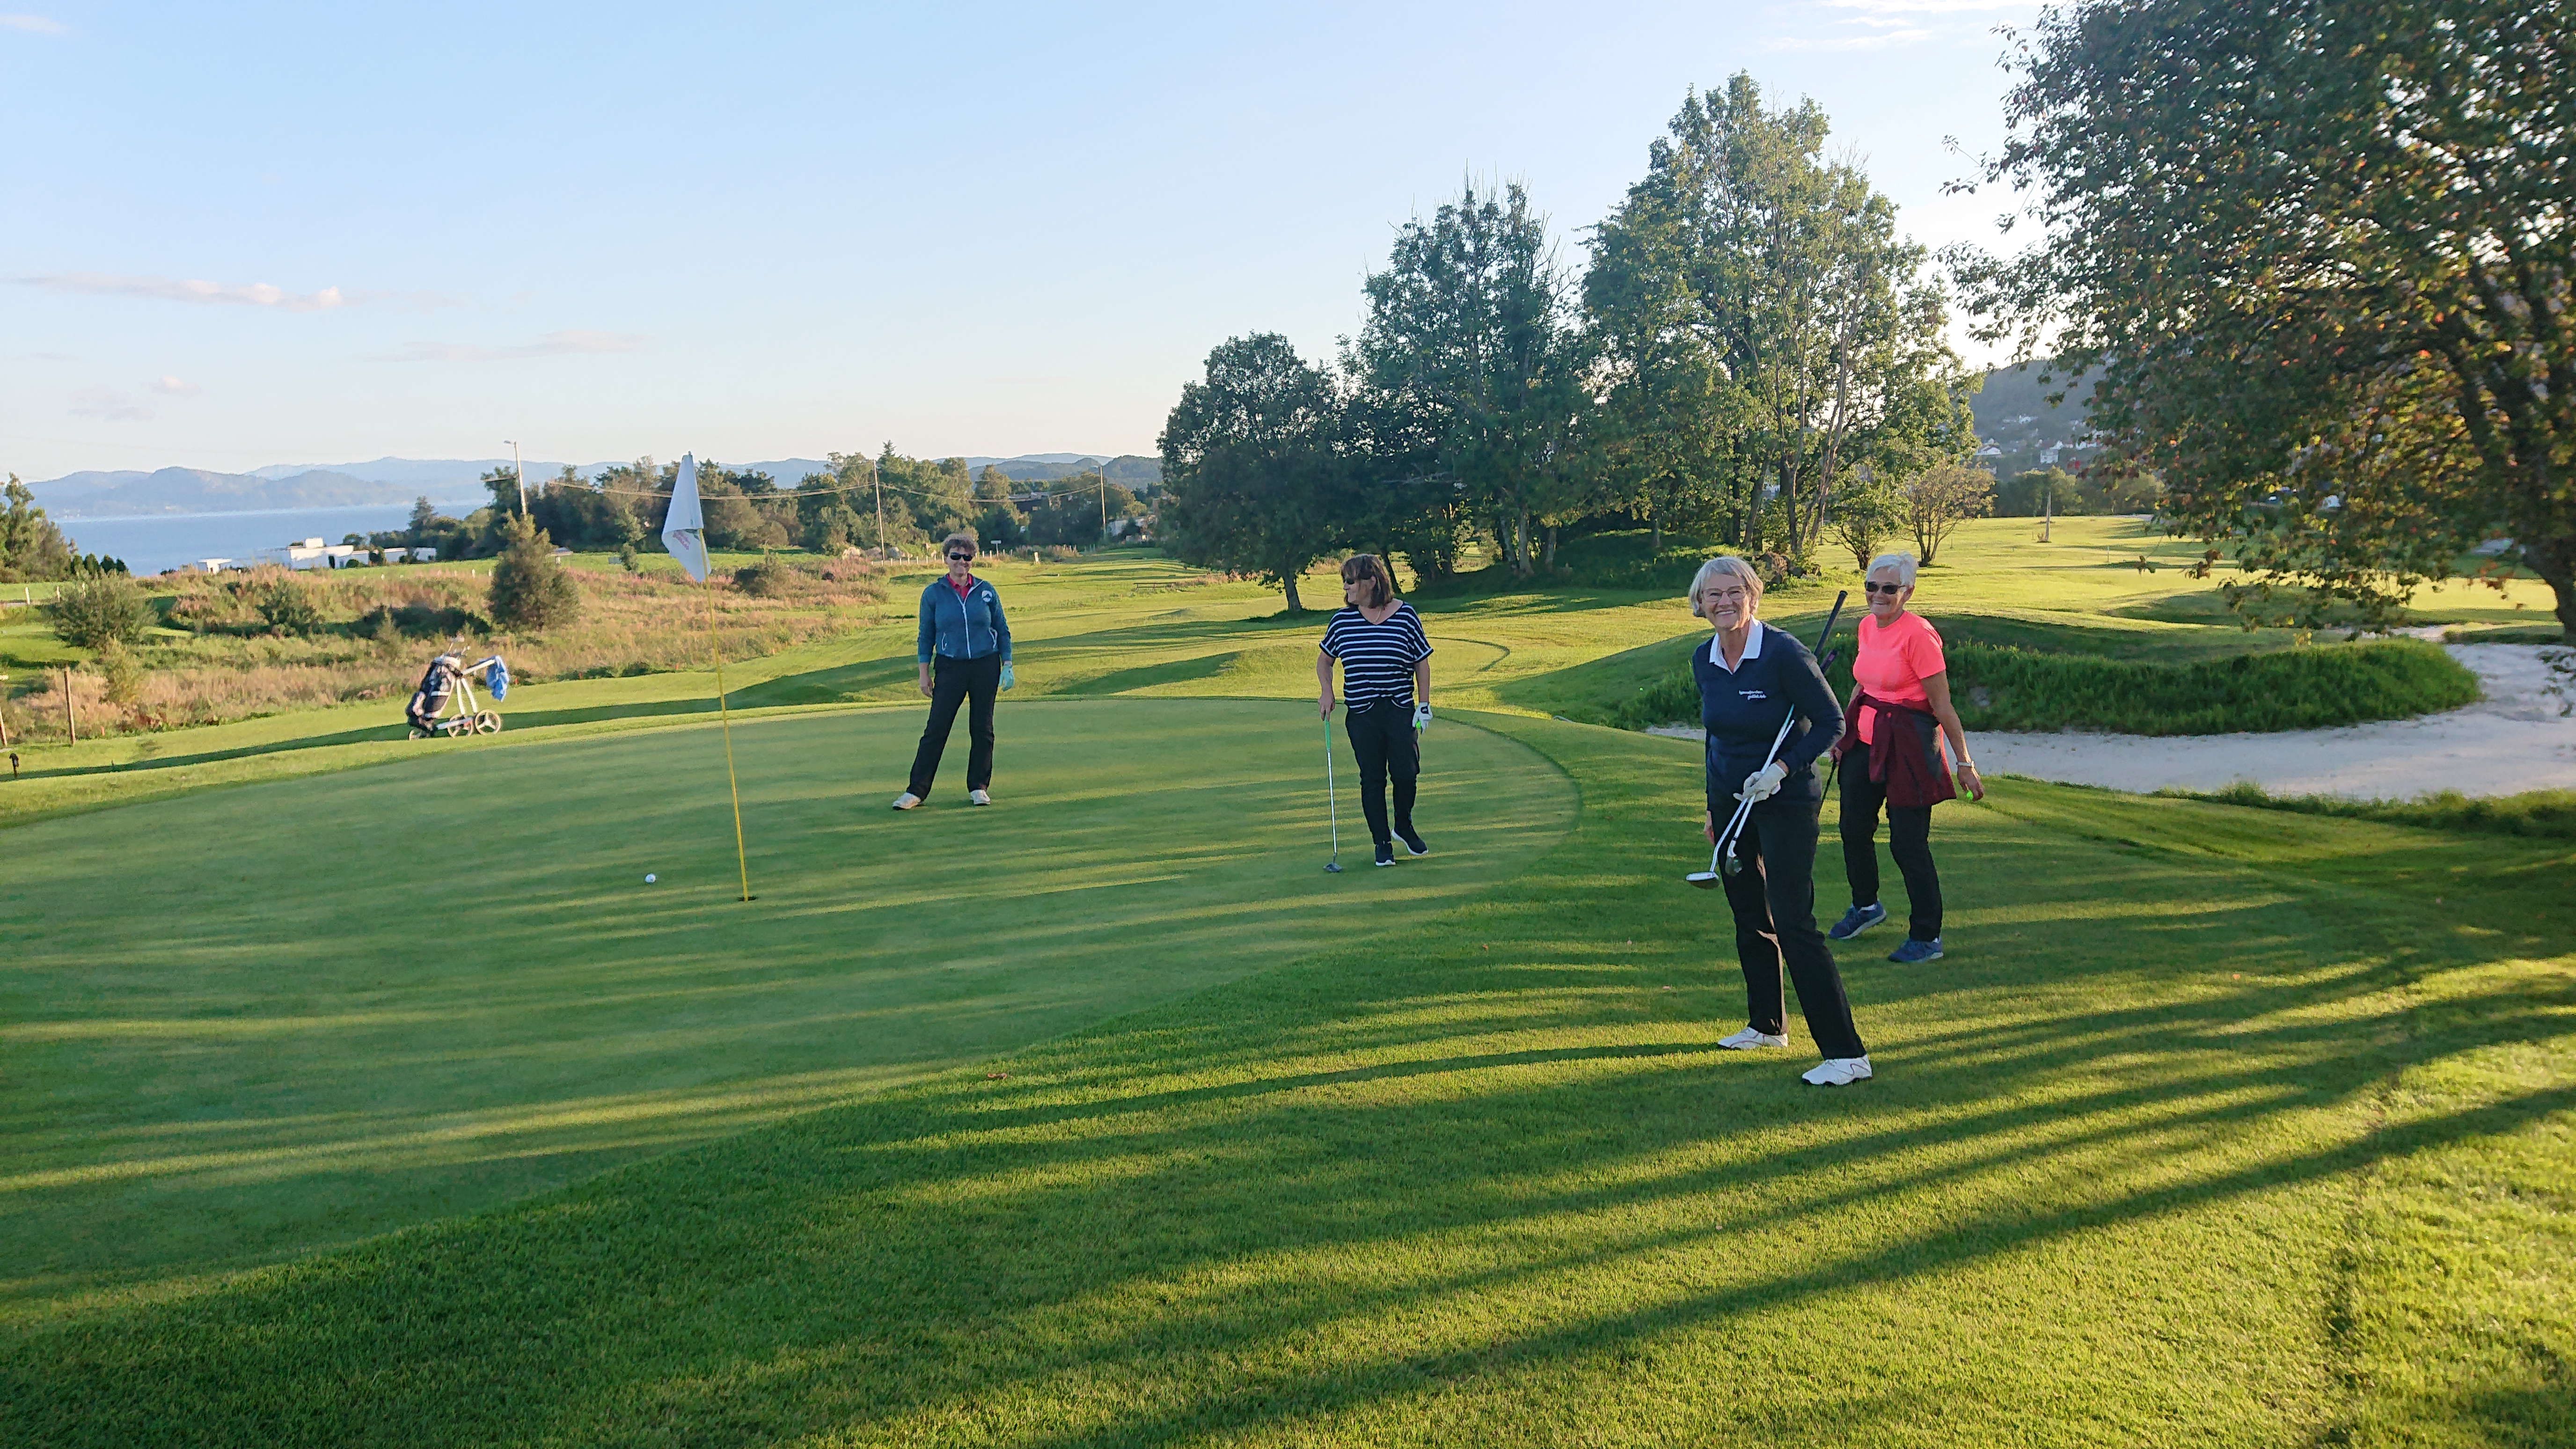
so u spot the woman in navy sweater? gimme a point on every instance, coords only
(1751, 678)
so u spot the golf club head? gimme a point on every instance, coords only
(1704, 879)
(1332, 867)
(1732, 866)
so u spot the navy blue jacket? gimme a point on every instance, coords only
(1742, 711)
(967, 628)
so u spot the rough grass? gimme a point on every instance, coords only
(2009, 688)
(2549, 814)
(2215, 1127)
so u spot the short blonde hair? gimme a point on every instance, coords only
(1727, 563)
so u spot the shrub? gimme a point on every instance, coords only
(2546, 813)
(122, 671)
(103, 610)
(767, 579)
(288, 605)
(530, 590)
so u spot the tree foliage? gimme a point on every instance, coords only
(1936, 501)
(2320, 253)
(531, 589)
(1862, 518)
(32, 546)
(103, 610)
(1251, 464)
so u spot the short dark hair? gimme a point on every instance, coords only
(954, 539)
(1369, 566)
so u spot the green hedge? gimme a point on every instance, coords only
(2546, 813)
(2004, 688)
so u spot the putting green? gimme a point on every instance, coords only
(248, 1023)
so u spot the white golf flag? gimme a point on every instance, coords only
(684, 528)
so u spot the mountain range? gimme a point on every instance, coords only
(133, 494)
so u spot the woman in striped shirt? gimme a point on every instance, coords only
(1386, 662)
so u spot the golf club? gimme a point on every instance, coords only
(1722, 859)
(1332, 803)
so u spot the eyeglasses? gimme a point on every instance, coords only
(961, 558)
(1870, 588)
(1723, 596)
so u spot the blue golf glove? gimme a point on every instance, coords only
(1007, 681)
(1421, 717)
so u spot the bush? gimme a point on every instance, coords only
(767, 579)
(2549, 814)
(288, 605)
(530, 590)
(103, 610)
(122, 671)
(1998, 687)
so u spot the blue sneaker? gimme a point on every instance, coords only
(1915, 953)
(1857, 920)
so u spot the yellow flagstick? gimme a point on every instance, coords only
(716, 649)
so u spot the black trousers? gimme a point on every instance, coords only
(1909, 839)
(1774, 900)
(1382, 736)
(953, 680)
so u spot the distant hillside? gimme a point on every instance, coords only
(400, 480)
(2014, 417)
(197, 490)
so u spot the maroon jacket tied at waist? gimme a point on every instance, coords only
(1904, 751)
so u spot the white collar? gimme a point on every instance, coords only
(1752, 648)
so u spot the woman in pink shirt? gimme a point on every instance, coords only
(1891, 756)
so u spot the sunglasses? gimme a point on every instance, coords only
(961, 558)
(1870, 588)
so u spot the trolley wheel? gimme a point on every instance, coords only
(417, 733)
(487, 723)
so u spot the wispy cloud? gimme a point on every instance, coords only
(175, 386)
(34, 25)
(1883, 24)
(108, 403)
(170, 289)
(553, 344)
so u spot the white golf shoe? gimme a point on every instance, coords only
(906, 800)
(978, 797)
(1749, 1040)
(1837, 1072)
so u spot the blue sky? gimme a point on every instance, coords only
(254, 234)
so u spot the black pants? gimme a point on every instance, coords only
(1382, 736)
(952, 680)
(1909, 839)
(1774, 900)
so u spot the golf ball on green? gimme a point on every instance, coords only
(648, 880)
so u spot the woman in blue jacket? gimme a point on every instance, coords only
(964, 652)
(1751, 679)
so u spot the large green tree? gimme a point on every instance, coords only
(1470, 334)
(31, 545)
(1787, 269)
(2320, 253)
(1253, 466)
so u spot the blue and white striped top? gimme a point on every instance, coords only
(1377, 659)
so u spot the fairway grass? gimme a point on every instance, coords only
(2216, 1126)
(244, 1025)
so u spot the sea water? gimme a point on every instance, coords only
(159, 541)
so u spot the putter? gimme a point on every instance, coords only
(1332, 803)
(1722, 861)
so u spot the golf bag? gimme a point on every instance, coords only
(448, 682)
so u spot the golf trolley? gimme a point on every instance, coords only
(444, 704)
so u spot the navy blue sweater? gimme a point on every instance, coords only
(1742, 711)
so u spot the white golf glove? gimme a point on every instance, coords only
(1007, 681)
(1422, 716)
(1764, 783)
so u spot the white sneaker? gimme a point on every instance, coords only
(1748, 1039)
(978, 797)
(1837, 1072)
(906, 800)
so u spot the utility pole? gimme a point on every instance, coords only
(71, 721)
(520, 472)
(879, 485)
(2048, 513)
(4, 714)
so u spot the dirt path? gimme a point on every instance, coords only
(2520, 737)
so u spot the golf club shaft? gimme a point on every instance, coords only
(1332, 800)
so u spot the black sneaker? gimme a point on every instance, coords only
(1386, 852)
(1414, 845)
